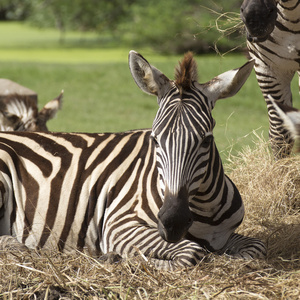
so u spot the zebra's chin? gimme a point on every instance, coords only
(256, 39)
(174, 217)
(170, 236)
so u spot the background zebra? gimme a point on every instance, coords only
(161, 191)
(273, 33)
(20, 113)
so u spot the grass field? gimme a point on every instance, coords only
(100, 95)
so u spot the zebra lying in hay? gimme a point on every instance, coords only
(273, 33)
(161, 192)
(20, 113)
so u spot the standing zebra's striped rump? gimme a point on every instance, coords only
(273, 33)
(161, 192)
(20, 113)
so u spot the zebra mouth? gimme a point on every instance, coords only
(173, 235)
(169, 236)
(256, 39)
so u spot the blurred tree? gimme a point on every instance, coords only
(14, 9)
(77, 14)
(169, 25)
(178, 26)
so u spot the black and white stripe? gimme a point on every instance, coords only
(273, 31)
(159, 191)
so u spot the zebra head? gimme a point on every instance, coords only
(259, 17)
(182, 133)
(20, 113)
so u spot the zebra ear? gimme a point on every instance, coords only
(229, 83)
(148, 78)
(50, 109)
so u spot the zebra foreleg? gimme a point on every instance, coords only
(146, 242)
(171, 256)
(239, 246)
(110, 258)
(179, 255)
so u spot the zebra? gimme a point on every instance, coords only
(20, 113)
(290, 117)
(161, 192)
(273, 40)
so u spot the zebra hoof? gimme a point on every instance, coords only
(110, 258)
(10, 243)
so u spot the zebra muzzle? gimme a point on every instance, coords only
(174, 217)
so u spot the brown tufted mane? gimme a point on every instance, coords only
(186, 72)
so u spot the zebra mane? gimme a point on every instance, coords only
(186, 72)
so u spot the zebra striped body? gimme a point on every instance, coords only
(20, 113)
(277, 58)
(112, 192)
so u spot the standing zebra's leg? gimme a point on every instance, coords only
(275, 82)
(239, 246)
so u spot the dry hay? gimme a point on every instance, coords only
(271, 194)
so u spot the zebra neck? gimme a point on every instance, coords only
(214, 184)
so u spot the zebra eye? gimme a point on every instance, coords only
(206, 141)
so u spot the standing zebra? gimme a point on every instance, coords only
(273, 33)
(20, 113)
(161, 190)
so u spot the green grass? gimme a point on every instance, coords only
(100, 94)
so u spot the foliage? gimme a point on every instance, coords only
(170, 26)
(173, 27)
(14, 9)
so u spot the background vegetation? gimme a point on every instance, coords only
(170, 26)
